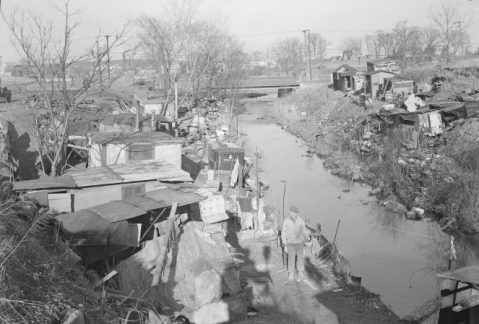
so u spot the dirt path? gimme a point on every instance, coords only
(318, 299)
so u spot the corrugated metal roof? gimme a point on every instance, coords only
(64, 181)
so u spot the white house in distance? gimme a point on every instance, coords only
(117, 148)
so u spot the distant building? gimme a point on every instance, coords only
(344, 78)
(375, 81)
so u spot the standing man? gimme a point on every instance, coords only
(294, 234)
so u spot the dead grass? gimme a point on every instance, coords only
(38, 283)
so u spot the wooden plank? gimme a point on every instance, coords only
(164, 248)
(105, 278)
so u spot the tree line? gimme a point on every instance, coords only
(446, 36)
(179, 43)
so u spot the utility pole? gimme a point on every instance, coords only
(307, 42)
(99, 64)
(284, 195)
(460, 35)
(176, 98)
(258, 156)
(108, 56)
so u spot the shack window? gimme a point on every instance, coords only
(130, 191)
(140, 152)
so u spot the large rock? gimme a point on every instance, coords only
(208, 288)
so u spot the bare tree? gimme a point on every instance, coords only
(387, 42)
(373, 45)
(165, 40)
(288, 55)
(406, 44)
(430, 40)
(181, 43)
(352, 47)
(51, 62)
(319, 46)
(452, 20)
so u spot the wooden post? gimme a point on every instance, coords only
(284, 195)
(153, 122)
(336, 233)
(164, 247)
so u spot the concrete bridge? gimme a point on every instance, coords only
(269, 85)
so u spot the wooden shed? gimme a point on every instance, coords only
(115, 148)
(222, 156)
(375, 81)
(85, 188)
(344, 78)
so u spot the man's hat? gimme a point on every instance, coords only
(294, 209)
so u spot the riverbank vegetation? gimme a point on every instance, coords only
(439, 175)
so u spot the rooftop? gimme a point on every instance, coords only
(129, 138)
(109, 175)
(120, 210)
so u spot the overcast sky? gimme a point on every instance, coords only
(257, 23)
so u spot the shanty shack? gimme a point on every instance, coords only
(100, 231)
(375, 81)
(397, 87)
(115, 148)
(222, 156)
(344, 78)
(84, 188)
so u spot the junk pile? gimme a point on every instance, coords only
(164, 249)
(423, 128)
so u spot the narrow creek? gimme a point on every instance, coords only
(395, 257)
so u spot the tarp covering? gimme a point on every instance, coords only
(194, 252)
(95, 238)
(88, 228)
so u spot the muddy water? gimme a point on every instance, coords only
(396, 258)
